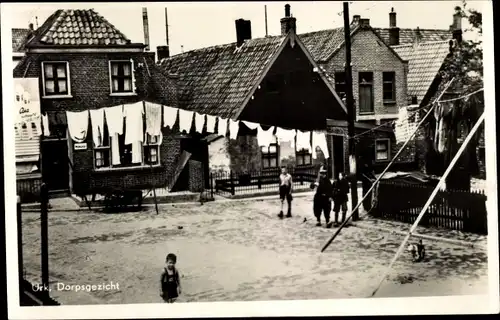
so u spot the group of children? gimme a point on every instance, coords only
(326, 192)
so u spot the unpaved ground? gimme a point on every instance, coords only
(238, 251)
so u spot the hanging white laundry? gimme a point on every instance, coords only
(97, 121)
(211, 123)
(153, 118)
(29, 128)
(304, 140)
(286, 136)
(115, 150)
(199, 121)
(45, 124)
(78, 124)
(222, 127)
(134, 124)
(114, 119)
(136, 152)
(38, 125)
(265, 137)
(169, 116)
(185, 120)
(319, 140)
(251, 125)
(234, 127)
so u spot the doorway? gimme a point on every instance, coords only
(55, 165)
(338, 155)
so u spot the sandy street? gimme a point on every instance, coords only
(237, 251)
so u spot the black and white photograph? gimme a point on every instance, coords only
(181, 159)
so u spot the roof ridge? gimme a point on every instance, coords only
(109, 23)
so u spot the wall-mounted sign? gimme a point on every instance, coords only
(80, 146)
(26, 100)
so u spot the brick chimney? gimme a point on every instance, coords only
(288, 22)
(456, 27)
(417, 36)
(364, 22)
(243, 31)
(393, 29)
(355, 19)
(146, 27)
(162, 52)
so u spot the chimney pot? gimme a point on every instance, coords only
(288, 22)
(243, 31)
(392, 18)
(30, 26)
(356, 18)
(146, 27)
(287, 10)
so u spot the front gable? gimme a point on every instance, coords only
(293, 93)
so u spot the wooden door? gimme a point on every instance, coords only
(55, 165)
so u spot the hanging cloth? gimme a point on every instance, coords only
(45, 125)
(29, 128)
(97, 121)
(78, 124)
(199, 121)
(115, 149)
(211, 123)
(265, 137)
(185, 120)
(134, 124)
(304, 140)
(153, 118)
(251, 125)
(169, 116)
(222, 127)
(38, 125)
(234, 126)
(114, 120)
(137, 152)
(401, 126)
(286, 136)
(319, 140)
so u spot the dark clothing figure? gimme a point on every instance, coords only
(340, 197)
(322, 200)
(169, 285)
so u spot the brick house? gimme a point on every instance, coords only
(273, 81)
(83, 62)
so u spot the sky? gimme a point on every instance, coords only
(195, 25)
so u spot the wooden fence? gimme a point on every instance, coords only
(457, 210)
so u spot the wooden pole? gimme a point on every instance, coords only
(387, 168)
(431, 198)
(166, 24)
(44, 235)
(265, 17)
(351, 113)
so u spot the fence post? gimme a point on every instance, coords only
(259, 182)
(44, 235)
(232, 182)
(211, 185)
(20, 248)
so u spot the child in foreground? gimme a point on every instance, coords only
(170, 283)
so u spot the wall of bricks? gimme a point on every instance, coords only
(369, 54)
(196, 177)
(90, 89)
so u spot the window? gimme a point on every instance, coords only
(152, 149)
(102, 154)
(382, 150)
(389, 87)
(303, 157)
(340, 83)
(121, 76)
(55, 78)
(366, 92)
(270, 156)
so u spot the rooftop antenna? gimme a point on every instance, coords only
(36, 21)
(166, 24)
(265, 14)
(182, 48)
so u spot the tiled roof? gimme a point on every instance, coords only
(424, 62)
(19, 38)
(78, 28)
(216, 80)
(407, 35)
(322, 44)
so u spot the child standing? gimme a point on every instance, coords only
(170, 284)
(285, 192)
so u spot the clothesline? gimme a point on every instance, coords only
(463, 97)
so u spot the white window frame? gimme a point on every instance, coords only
(121, 94)
(68, 83)
(385, 140)
(99, 149)
(147, 145)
